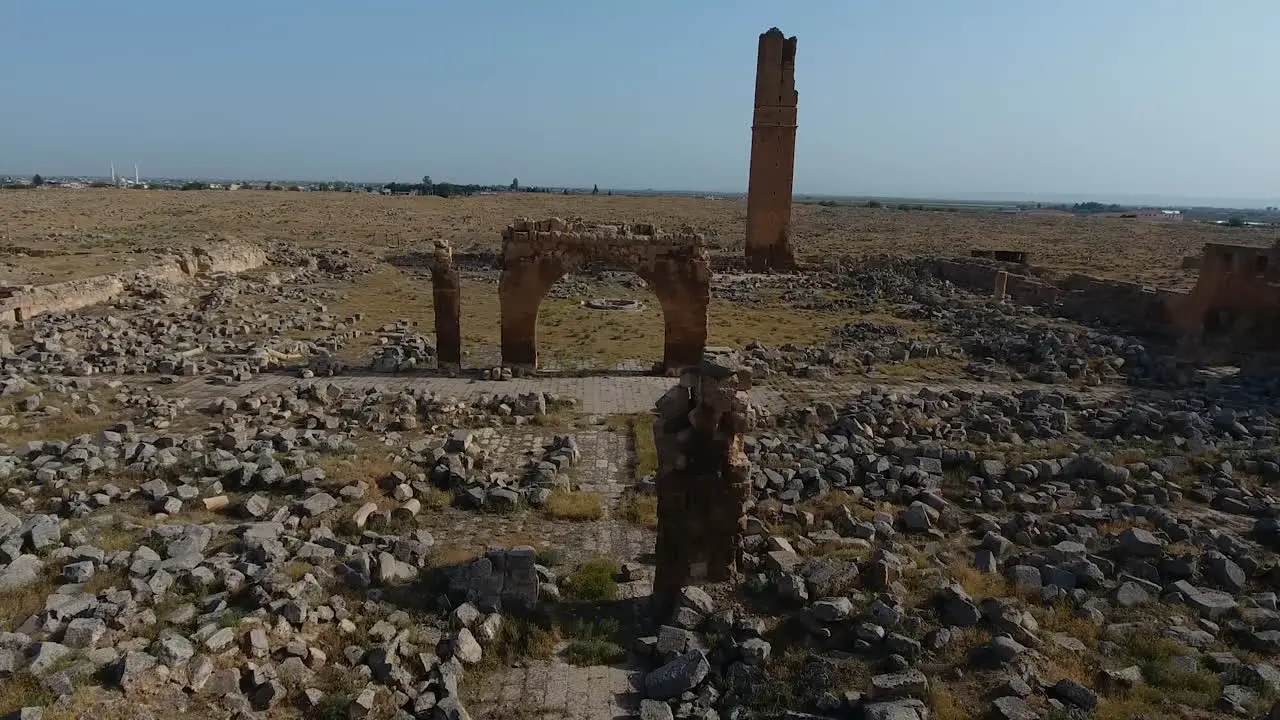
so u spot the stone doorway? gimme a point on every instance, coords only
(535, 254)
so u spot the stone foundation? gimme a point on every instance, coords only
(18, 304)
(447, 297)
(536, 254)
(703, 479)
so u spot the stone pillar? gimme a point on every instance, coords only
(1002, 282)
(703, 479)
(447, 296)
(773, 155)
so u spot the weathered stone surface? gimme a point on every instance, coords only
(680, 675)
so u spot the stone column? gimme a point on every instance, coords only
(447, 296)
(773, 155)
(1002, 282)
(703, 479)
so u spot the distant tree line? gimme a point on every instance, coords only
(1095, 207)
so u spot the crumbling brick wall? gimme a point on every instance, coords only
(536, 254)
(1234, 307)
(703, 478)
(447, 299)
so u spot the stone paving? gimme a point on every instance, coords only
(559, 691)
(555, 689)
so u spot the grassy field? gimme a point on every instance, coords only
(56, 234)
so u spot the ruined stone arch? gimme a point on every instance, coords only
(537, 254)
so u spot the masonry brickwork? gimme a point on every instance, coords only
(773, 155)
(537, 253)
(447, 296)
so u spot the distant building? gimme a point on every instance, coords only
(1157, 215)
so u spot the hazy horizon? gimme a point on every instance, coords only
(933, 100)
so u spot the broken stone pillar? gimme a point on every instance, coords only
(703, 478)
(447, 295)
(1002, 282)
(773, 155)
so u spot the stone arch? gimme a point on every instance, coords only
(537, 254)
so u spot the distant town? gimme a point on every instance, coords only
(1234, 217)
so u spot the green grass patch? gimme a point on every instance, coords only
(596, 580)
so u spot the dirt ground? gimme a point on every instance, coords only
(59, 234)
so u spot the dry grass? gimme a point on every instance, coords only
(639, 509)
(103, 579)
(576, 506)
(452, 555)
(922, 368)
(117, 539)
(22, 690)
(21, 603)
(435, 499)
(1061, 618)
(946, 706)
(639, 429)
(980, 584)
(69, 423)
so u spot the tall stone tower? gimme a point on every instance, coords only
(773, 155)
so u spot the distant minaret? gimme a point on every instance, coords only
(135, 174)
(113, 173)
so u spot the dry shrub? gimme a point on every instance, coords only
(576, 506)
(639, 509)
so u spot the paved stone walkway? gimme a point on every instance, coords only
(558, 691)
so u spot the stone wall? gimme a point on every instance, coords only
(981, 277)
(1125, 306)
(773, 155)
(28, 301)
(703, 478)
(536, 254)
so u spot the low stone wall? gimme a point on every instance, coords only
(981, 277)
(28, 301)
(1125, 306)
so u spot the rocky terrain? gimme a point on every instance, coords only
(251, 495)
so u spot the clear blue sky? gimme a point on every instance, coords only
(927, 97)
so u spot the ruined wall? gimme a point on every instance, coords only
(28, 301)
(981, 278)
(447, 301)
(773, 155)
(702, 479)
(536, 254)
(1124, 306)
(1235, 304)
